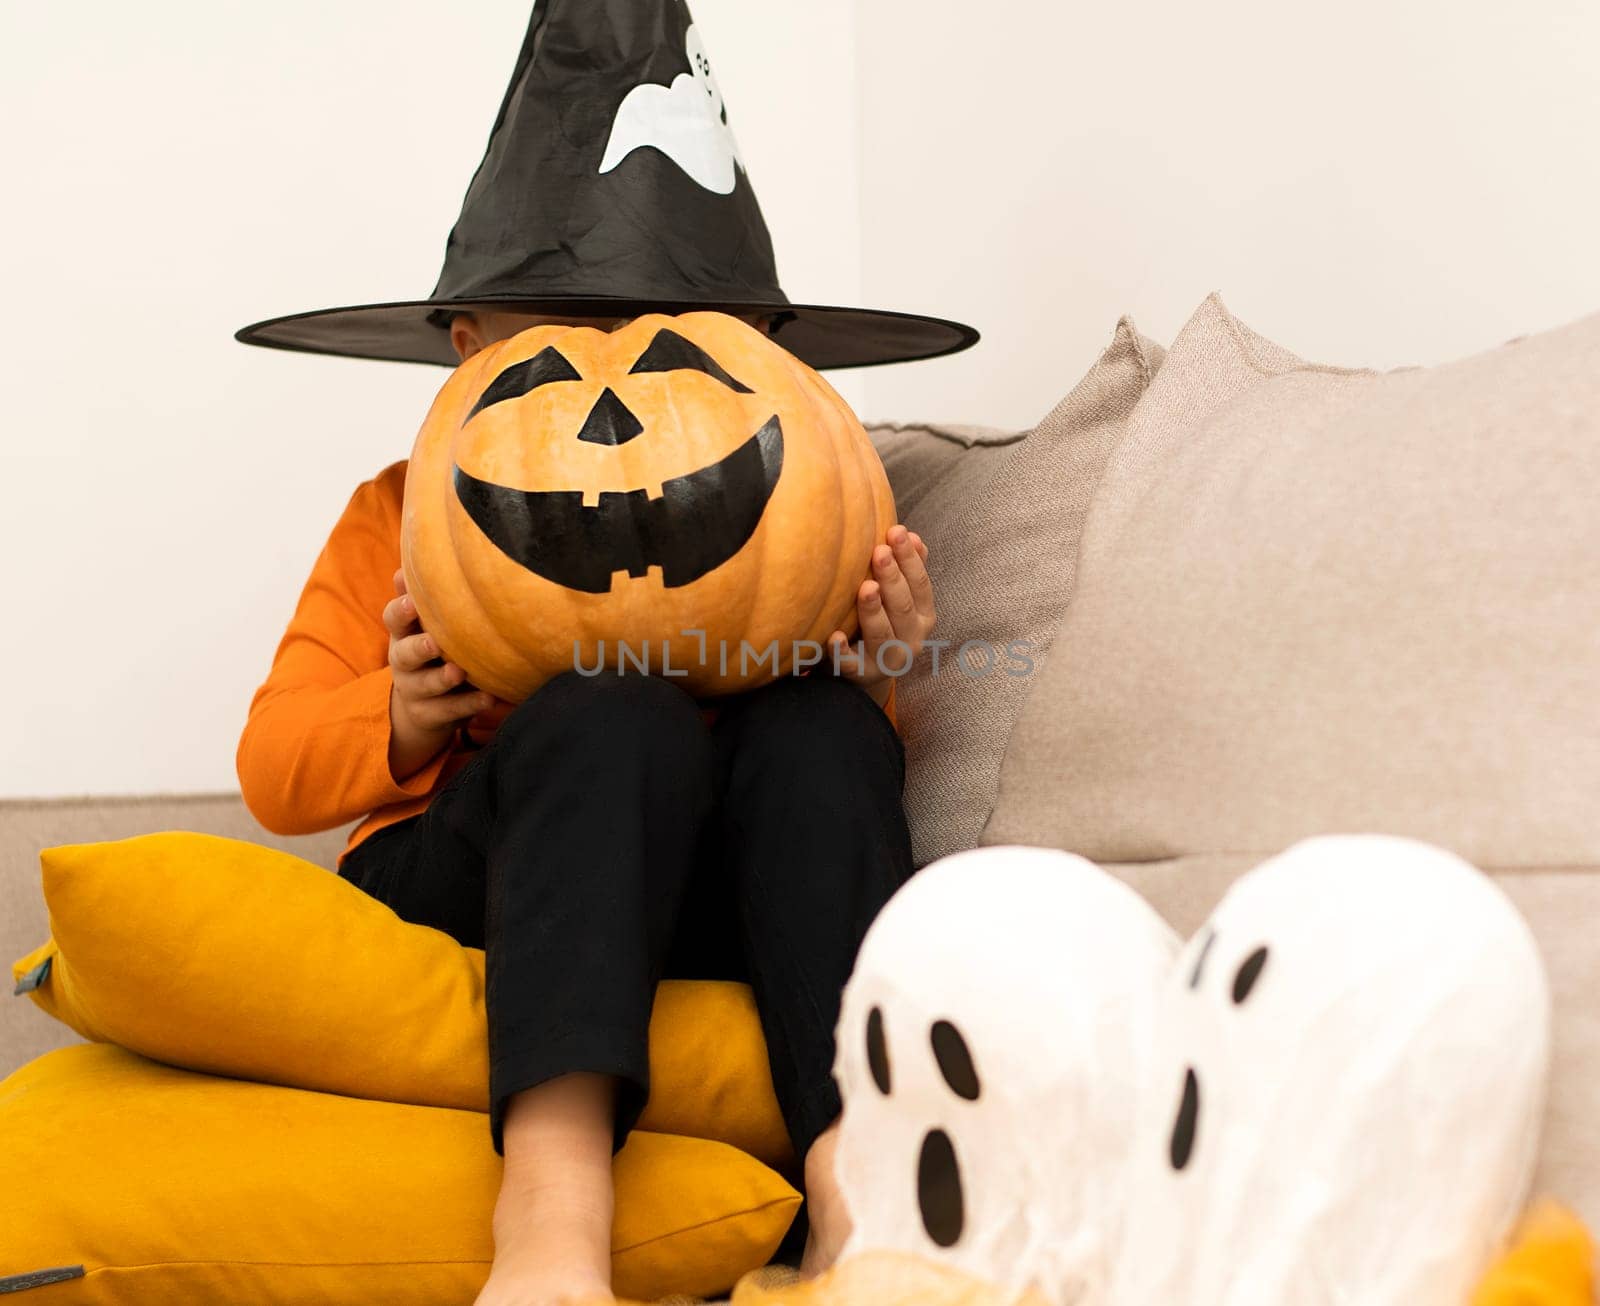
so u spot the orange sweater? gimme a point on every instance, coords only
(315, 750)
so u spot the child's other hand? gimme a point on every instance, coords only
(895, 604)
(430, 696)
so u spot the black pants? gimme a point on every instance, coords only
(607, 837)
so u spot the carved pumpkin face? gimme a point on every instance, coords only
(572, 489)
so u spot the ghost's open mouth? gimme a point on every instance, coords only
(700, 520)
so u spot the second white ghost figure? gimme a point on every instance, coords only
(1348, 1087)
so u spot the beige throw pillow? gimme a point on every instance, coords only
(1002, 527)
(922, 456)
(1320, 600)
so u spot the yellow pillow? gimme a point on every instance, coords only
(227, 957)
(123, 1181)
(1550, 1263)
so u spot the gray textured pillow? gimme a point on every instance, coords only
(1001, 523)
(920, 457)
(1312, 599)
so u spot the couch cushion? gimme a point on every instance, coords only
(1312, 599)
(920, 457)
(1002, 531)
(1560, 905)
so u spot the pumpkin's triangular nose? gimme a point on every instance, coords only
(609, 421)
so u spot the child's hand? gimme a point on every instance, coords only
(429, 696)
(896, 604)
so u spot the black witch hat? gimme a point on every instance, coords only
(611, 187)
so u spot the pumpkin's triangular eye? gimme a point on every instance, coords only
(670, 352)
(548, 365)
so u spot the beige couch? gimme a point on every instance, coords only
(1263, 600)
(1562, 904)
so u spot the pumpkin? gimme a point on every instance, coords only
(680, 495)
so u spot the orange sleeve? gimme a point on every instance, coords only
(315, 749)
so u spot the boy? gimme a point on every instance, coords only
(601, 834)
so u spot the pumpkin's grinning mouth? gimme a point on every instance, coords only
(698, 522)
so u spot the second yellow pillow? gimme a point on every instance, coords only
(125, 1182)
(231, 958)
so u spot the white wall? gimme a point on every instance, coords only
(1391, 181)
(1373, 183)
(173, 172)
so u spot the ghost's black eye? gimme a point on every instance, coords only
(1249, 972)
(939, 1196)
(955, 1061)
(544, 367)
(877, 1050)
(670, 352)
(1188, 1121)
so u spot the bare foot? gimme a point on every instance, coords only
(549, 1252)
(552, 1219)
(830, 1220)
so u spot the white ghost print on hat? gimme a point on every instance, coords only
(999, 1013)
(686, 121)
(1348, 1081)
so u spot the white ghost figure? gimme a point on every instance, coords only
(686, 121)
(1347, 1087)
(999, 1013)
